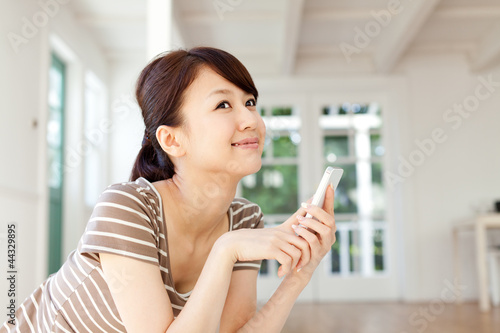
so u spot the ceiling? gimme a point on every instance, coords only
(299, 37)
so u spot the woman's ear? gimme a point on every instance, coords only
(170, 141)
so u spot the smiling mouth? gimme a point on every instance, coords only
(246, 145)
(248, 142)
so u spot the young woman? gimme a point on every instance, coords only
(173, 250)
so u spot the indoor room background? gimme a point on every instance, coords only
(403, 95)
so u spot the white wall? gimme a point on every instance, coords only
(23, 85)
(460, 174)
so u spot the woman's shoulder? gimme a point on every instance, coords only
(246, 214)
(138, 188)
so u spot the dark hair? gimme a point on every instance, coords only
(160, 92)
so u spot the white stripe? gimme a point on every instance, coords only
(169, 288)
(47, 302)
(122, 222)
(63, 310)
(78, 316)
(67, 317)
(231, 218)
(75, 275)
(163, 253)
(79, 265)
(6, 326)
(102, 296)
(178, 307)
(62, 328)
(163, 269)
(118, 236)
(27, 318)
(122, 207)
(98, 310)
(87, 312)
(241, 264)
(125, 253)
(185, 295)
(127, 195)
(246, 219)
(33, 300)
(244, 207)
(70, 287)
(53, 294)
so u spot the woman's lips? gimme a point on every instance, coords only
(248, 143)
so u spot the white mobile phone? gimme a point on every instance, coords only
(331, 176)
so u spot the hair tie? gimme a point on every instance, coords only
(146, 140)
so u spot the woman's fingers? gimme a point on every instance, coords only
(329, 198)
(322, 216)
(303, 247)
(311, 238)
(314, 225)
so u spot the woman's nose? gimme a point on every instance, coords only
(247, 118)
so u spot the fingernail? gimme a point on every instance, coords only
(294, 226)
(298, 269)
(304, 205)
(300, 217)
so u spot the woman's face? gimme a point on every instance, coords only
(217, 116)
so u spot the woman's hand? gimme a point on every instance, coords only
(268, 243)
(320, 232)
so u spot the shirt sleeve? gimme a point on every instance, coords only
(249, 216)
(123, 223)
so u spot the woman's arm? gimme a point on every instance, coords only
(320, 237)
(241, 301)
(143, 303)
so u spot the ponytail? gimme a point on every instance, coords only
(152, 164)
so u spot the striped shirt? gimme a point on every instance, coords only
(127, 220)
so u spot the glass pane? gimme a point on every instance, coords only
(336, 254)
(376, 145)
(336, 146)
(346, 193)
(281, 111)
(378, 194)
(344, 108)
(378, 243)
(262, 111)
(359, 108)
(283, 146)
(354, 251)
(273, 188)
(264, 267)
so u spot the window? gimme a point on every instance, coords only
(55, 150)
(352, 140)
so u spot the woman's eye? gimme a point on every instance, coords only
(223, 105)
(251, 102)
